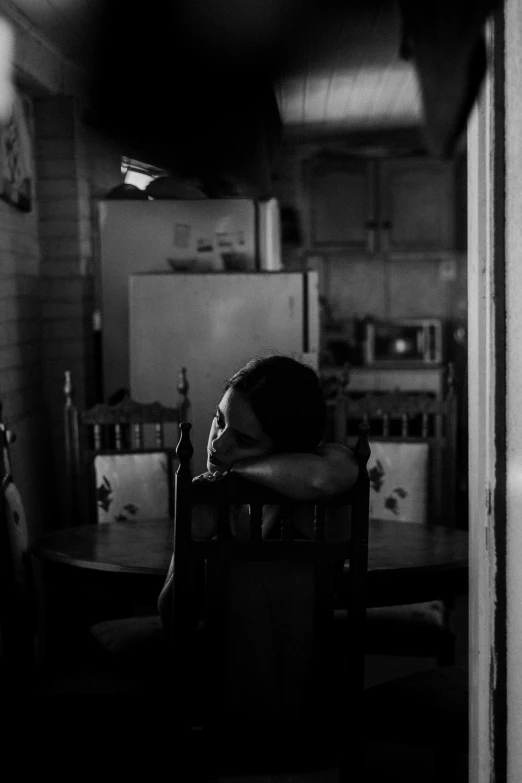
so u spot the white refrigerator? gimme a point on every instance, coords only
(162, 234)
(212, 324)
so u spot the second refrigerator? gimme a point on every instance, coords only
(212, 324)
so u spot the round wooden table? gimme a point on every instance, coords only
(406, 563)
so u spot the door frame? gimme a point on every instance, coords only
(490, 403)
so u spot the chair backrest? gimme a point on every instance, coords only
(413, 470)
(17, 596)
(269, 612)
(119, 457)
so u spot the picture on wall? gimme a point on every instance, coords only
(16, 179)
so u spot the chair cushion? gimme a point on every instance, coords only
(130, 487)
(133, 638)
(429, 614)
(427, 709)
(139, 653)
(411, 629)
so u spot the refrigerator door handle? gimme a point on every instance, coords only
(306, 305)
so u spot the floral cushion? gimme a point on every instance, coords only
(132, 486)
(398, 481)
(133, 637)
(17, 534)
(426, 709)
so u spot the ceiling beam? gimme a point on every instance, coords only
(407, 138)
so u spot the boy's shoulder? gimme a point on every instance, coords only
(326, 449)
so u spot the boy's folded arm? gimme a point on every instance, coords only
(204, 526)
(331, 469)
(165, 597)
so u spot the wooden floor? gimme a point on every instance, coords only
(385, 763)
(87, 723)
(97, 713)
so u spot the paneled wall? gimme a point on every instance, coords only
(21, 349)
(47, 273)
(73, 166)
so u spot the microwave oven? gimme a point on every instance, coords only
(417, 341)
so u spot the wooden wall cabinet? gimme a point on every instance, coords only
(417, 205)
(389, 206)
(342, 204)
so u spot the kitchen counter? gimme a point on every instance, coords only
(409, 377)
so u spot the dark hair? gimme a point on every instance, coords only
(287, 399)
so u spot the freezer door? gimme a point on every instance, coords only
(144, 236)
(210, 324)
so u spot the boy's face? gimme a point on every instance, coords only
(235, 433)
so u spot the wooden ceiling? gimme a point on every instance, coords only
(67, 24)
(348, 77)
(351, 77)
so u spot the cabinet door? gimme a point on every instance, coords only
(342, 204)
(417, 205)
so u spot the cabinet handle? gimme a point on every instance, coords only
(371, 227)
(386, 228)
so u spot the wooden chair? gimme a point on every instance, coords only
(419, 419)
(23, 673)
(426, 710)
(427, 427)
(272, 693)
(17, 599)
(119, 459)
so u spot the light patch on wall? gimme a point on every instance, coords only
(6, 68)
(448, 269)
(137, 178)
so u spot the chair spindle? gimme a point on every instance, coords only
(183, 402)
(97, 437)
(68, 390)
(319, 522)
(72, 446)
(286, 523)
(158, 434)
(256, 522)
(117, 437)
(439, 424)
(137, 435)
(184, 451)
(223, 523)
